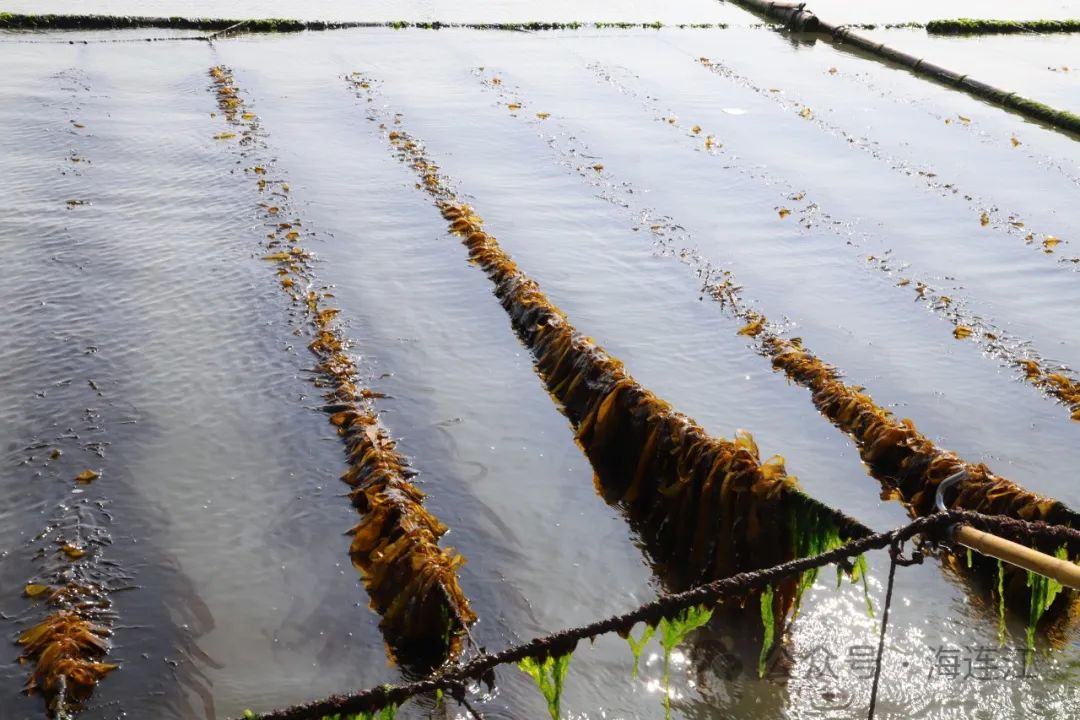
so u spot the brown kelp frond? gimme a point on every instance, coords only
(68, 647)
(706, 507)
(898, 453)
(412, 582)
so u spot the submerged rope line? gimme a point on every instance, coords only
(667, 606)
(412, 581)
(67, 649)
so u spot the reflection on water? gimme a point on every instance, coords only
(220, 478)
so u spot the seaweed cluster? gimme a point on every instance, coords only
(21, 21)
(971, 26)
(68, 647)
(706, 507)
(24, 21)
(412, 582)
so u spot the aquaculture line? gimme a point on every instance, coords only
(1053, 381)
(23, 21)
(546, 651)
(706, 507)
(710, 502)
(66, 650)
(411, 580)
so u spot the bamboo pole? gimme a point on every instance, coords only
(1063, 571)
(799, 19)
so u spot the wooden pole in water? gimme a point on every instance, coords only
(1065, 572)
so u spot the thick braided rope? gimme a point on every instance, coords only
(453, 679)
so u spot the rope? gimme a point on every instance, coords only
(211, 36)
(453, 678)
(894, 551)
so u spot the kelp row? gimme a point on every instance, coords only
(971, 26)
(1053, 380)
(905, 460)
(21, 21)
(987, 213)
(706, 507)
(66, 650)
(412, 582)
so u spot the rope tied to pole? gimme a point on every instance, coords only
(931, 528)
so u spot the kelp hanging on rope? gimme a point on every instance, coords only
(897, 452)
(851, 409)
(412, 582)
(686, 490)
(1053, 379)
(706, 507)
(913, 467)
